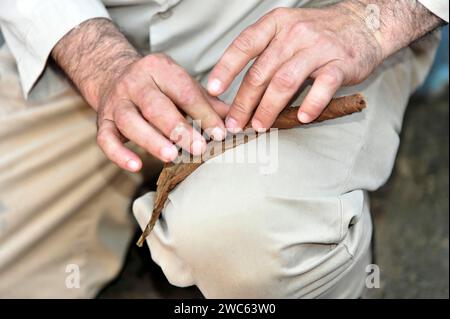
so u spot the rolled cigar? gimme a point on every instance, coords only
(338, 107)
(173, 174)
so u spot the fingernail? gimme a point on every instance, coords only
(232, 125)
(215, 86)
(218, 133)
(133, 165)
(178, 133)
(257, 126)
(197, 147)
(169, 153)
(304, 117)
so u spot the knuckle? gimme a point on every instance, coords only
(149, 111)
(284, 81)
(279, 12)
(330, 79)
(153, 108)
(309, 32)
(154, 59)
(124, 82)
(244, 43)
(240, 108)
(299, 28)
(210, 120)
(336, 70)
(141, 97)
(127, 84)
(316, 104)
(101, 138)
(157, 61)
(224, 68)
(327, 44)
(122, 116)
(160, 56)
(265, 113)
(150, 61)
(187, 94)
(122, 88)
(255, 77)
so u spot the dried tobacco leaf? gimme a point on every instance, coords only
(174, 173)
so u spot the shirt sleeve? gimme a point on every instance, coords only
(438, 7)
(31, 28)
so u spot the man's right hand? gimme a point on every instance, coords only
(137, 98)
(141, 105)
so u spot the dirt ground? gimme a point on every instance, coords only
(411, 217)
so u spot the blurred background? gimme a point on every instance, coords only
(411, 212)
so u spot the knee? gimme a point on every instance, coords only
(256, 246)
(222, 243)
(243, 241)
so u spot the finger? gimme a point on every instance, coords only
(283, 86)
(327, 82)
(187, 95)
(110, 141)
(131, 124)
(159, 110)
(255, 83)
(248, 45)
(220, 107)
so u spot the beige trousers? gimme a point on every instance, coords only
(302, 230)
(296, 225)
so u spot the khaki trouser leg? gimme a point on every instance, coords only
(302, 231)
(64, 208)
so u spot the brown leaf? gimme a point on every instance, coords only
(173, 174)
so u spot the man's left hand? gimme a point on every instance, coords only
(333, 46)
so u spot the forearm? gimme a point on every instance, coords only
(93, 55)
(400, 22)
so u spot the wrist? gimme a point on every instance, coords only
(93, 55)
(104, 74)
(394, 24)
(359, 13)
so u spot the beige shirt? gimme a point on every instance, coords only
(193, 32)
